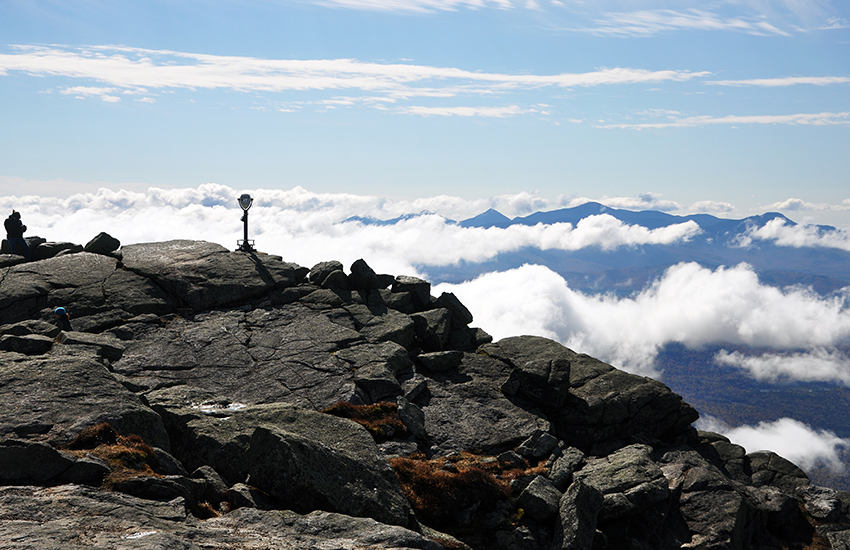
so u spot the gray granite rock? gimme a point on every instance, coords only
(102, 243)
(204, 275)
(467, 412)
(306, 460)
(49, 250)
(64, 395)
(33, 518)
(578, 512)
(540, 499)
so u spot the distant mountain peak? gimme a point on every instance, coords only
(489, 218)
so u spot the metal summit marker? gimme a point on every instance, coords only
(245, 201)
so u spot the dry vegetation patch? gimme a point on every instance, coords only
(381, 419)
(127, 456)
(454, 493)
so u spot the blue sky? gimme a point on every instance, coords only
(729, 107)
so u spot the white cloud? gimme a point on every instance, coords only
(644, 201)
(309, 226)
(82, 92)
(496, 112)
(785, 81)
(791, 439)
(797, 236)
(834, 23)
(807, 119)
(422, 5)
(689, 304)
(712, 207)
(818, 364)
(650, 22)
(139, 70)
(797, 205)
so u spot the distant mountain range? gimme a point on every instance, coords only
(629, 268)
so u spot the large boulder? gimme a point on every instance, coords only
(305, 459)
(771, 469)
(598, 403)
(102, 243)
(66, 393)
(629, 480)
(49, 250)
(578, 514)
(203, 275)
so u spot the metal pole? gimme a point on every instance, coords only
(245, 244)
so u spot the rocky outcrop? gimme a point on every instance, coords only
(322, 408)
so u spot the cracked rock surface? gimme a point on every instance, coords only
(226, 364)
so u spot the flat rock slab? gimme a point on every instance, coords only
(85, 283)
(263, 356)
(70, 517)
(52, 398)
(204, 275)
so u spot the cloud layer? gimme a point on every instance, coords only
(114, 73)
(142, 73)
(689, 304)
(797, 236)
(816, 365)
(311, 227)
(791, 439)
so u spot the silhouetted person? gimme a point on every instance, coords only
(62, 319)
(15, 235)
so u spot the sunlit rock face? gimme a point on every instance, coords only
(207, 395)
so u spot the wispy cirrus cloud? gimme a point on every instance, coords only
(785, 81)
(424, 6)
(650, 22)
(123, 68)
(799, 205)
(495, 112)
(834, 23)
(803, 119)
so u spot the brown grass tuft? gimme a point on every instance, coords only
(127, 456)
(380, 419)
(440, 496)
(91, 437)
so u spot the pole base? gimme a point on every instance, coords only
(245, 245)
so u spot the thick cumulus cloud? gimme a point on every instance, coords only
(819, 364)
(689, 304)
(791, 439)
(310, 227)
(783, 234)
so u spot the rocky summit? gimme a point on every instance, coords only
(214, 399)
